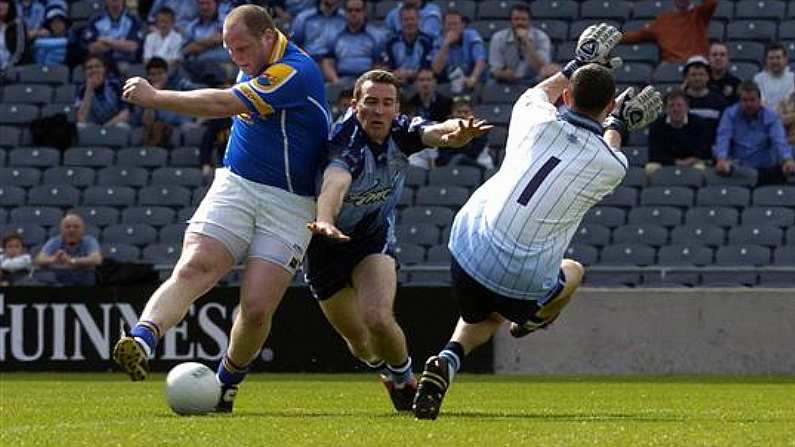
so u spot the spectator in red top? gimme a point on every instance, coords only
(679, 33)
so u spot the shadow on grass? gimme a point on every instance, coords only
(296, 414)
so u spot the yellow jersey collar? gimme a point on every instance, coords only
(279, 48)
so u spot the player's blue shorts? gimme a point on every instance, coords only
(476, 302)
(328, 265)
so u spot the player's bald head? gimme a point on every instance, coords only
(255, 18)
(592, 89)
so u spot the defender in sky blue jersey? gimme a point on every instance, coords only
(350, 266)
(258, 206)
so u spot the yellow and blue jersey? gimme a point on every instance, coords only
(281, 141)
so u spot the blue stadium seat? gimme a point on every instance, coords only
(627, 254)
(162, 253)
(779, 216)
(646, 234)
(442, 196)
(93, 135)
(132, 234)
(47, 216)
(98, 157)
(423, 234)
(608, 216)
(108, 196)
(382, 8)
(592, 234)
(120, 251)
(790, 235)
(184, 156)
(164, 196)
(27, 94)
(152, 215)
(69, 175)
(53, 195)
(20, 176)
(44, 157)
(18, 113)
(638, 138)
(740, 176)
(85, 9)
(564, 51)
(430, 279)
(97, 215)
(667, 216)
(172, 234)
(685, 254)
(723, 196)
(667, 196)
(496, 9)
(605, 9)
(191, 177)
(774, 195)
(582, 253)
(764, 235)
(635, 24)
(676, 176)
(555, 9)
(712, 215)
(123, 176)
(437, 215)
(468, 8)
(11, 195)
(701, 234)
(410, 254)
(145, 156)
(623, 196)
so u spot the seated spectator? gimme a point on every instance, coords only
(678, 137)
(786, 111)
(476, 152)
(32, 13)
(99, 99)
(430, 18)
(314, 28)
(114, 34)
(72, 255)
(680, 33)
(343, 102)
(182, 13)
(752, 135)
(356, 49)
(427, 102)
(14, 262)
(165, 42)
(13, 38)
(50, 48)
(213, 144)
(720, 79)
(776, 80)
(521, 53)
(204, 56)
(460, 56)
(703, 102)
(159, 124)
(410, 50)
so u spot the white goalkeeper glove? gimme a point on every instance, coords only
(594, 47)
(634, 112)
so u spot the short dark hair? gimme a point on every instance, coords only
(592, 88)
(13, 236)
(376, 76)
(775, 46)
(157, 62)
(749, 86)
(167, 11)
(409, 8)
(256, 18)
(522, 8)
(677, 93)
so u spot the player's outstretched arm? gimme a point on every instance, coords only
(454, 132)
(632, 112)
(208, 103)
(336, 182)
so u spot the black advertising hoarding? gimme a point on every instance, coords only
(74, 329)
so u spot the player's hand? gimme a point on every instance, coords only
(723, 167)
(596, 43)
(139, 91)
(328, 230)
(465, 132)
(634, 112)
(788, 167)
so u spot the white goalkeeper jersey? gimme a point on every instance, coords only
(513, 232)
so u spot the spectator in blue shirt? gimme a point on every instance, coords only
(32, 13)
(314, 27)
(752, 135)
(115, 33)
(185, 11)
(410, 50)
(460, 57)
(203, 35)
(356, 49)
(72, 255)
(159, 124)
(430, 18)
(99, 99)
(50, 48)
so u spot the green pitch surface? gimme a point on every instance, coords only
(347, 410)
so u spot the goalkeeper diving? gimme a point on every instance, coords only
(508, 241)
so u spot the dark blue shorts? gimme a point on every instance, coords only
(329, 264)
(476, 302)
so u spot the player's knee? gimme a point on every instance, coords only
(257, 309)
(195, 270)
(378, 321)
(573, 270)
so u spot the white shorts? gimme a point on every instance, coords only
(255, 220)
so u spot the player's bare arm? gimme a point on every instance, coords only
(454, 133)
(336, 182)
(208, 103)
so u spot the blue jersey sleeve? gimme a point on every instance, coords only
(344, 152)
(407, 133)
(279, 87)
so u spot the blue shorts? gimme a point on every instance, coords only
(329, 264)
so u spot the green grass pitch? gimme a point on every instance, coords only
(96, 410)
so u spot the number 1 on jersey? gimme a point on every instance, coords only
(536, 181)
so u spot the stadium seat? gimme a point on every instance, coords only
(184, 156)
(423, 234)
(555, 9)
(744, 70)
(97, 215)
(172, 234)
(627, 254)
(47, 216)
(3, 216)
(55, 109)
(723, 196)
(9, 137)
(611, 279)
(684, 254)
(410, 254)
(668, 72)
(123, 176)
(163, 195)
(468, 8)
(430, 279)
(605, 9)
(132, 234)
(638, 138)
(406, 197)
(457, 175)
(740, 176)
(501, 93)
(383, 7)
(93, 135)
(784, 255)
(120, 251)
(442, 196)
(498, 137)
(623, 196)
(497, 114)
(724, 12)
(712, 215)
(654, 235)
(185, 213)
(764, 235)
(790, 235)
(667, 196)
(608, 216)
(582, 253)
(638, 52)
(192, 136)
(676, 176)
(774, 195)
(496, 9)
(592, 234)
(190, 177)
(416, 176)
(744, 50)
(85, 9)
(152, 215)
(438, 215)
(20, 176)
(108, 196)
(649, 9)
(44, 157)
(666, 216)
(53, 195)
(760, 9)
(698, 234)
(635, 24)
(11, 195)
(762, 30)
(439, 254)
(145, 156)
(557, 30)
(578, 26)
(636, 177)
(32, 234)
(2, 156)
(564, 51)
(786, 30)
(42, 74)
(779, 216)
(162, 253)
(27, 94)
(98, 157)
(69, 175)
(65, 94)
(716, 30)
(18, 113)
(737, 255)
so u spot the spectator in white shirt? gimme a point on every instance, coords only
(776, 80)
(165, 42)
(14, 262)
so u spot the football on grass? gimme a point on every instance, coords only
(191, 388)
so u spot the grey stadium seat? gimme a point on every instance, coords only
(47, 216)
(496, 9)
(744, 70)
(498, 114)
(435, 279)
(724, 12)
(120, 251)
(605, 9)
(627, 254)
(608, 216)
(32, 234)
(653, 235)
(123, 176)
(190, 177)
(584, 254)
(20, 176)
(649, 9)
(34, 156)
(774, 195)
(164, 196)
(437, 215)
(162, 253)
(786, 29)
(410, 254)
(132, 234)
(778, 216)
(192, 136)
(790, 236)
(745, 50)
(667, 196)
(487, 28)
(88, 156)
(3, 216)
(198, 195)
(742, 255)
(172, 234)
(466, 7)
(42, 74)
(416, 176)
(676, 176)
(18, 113)
(9, 137)
(442, 195)
(765, 235)
(723, 196)
(684, 254)
(784, 255)
(760, 9)
(184, 156)
(639, 138)
(636, 177)
(668, 72)
(2, 157)
(108, 196)
(698, 234)
(27, 94)
(623, 196)
(54, 195)
(65, 94)
(498, 136)
(721, 216)
(184, 214)
(716, 30)
(667, 216)
(54, 109)
(467, 176)
(501, 93)
(740, 176)
(151, 157)
(557, 30)
(439, 254)
(69, 175)
(93, 135)
(638, 52)
(423, 234)
(152, 215)
(762, 30)
(11, 195)
(555, 9)
(592, 234)
(97, 215)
